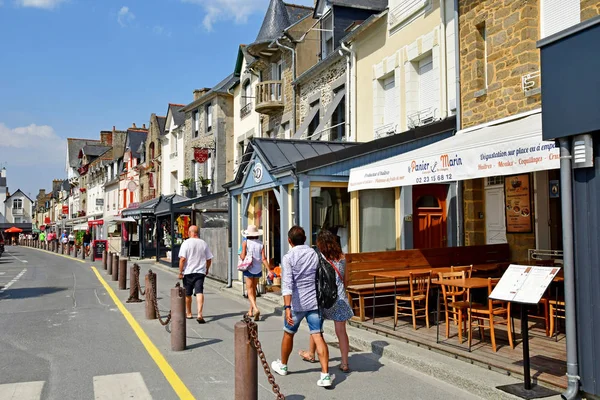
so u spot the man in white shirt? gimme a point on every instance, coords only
(195, 259)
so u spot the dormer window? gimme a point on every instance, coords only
(327, 35)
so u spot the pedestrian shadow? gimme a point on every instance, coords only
(361, 362)
(223, 316)
(24, 293)
(295, 397)
(201, 344)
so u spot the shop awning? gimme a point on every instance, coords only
(146, 207)
(503, 147)
(81, 227)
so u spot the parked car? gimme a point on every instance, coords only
(1, 243)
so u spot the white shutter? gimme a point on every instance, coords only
(426, 85)
(558, 15)
(389, 98)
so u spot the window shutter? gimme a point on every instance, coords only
(426, 85)
(558, 15)
(389, 97)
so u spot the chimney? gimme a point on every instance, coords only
(200, 92)
(133, 126)
(114, 128)
(3, 172)
(106, 138)
(143, 126)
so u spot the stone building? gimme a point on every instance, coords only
(208, 134)
(286, 46)
(150, 169)
(172, 145)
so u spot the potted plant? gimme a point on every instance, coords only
(204, 187)
(188, 183)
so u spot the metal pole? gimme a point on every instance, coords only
(150, 310)
(83, 252)
(566, 199)
(115, 270)
(109, 259)
(525, 337)
(123, 274)
(246, 364)
(178, 334)
(104, 259)
(134, 287)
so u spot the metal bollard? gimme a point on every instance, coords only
(109, 260)
(115, 268)
(178, 335)
(134, 284)
(76, 251)
(82, 252)
(246, 364)
(150, 291)
(104, 255)
(123, 274)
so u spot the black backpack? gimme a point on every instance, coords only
(327, 290)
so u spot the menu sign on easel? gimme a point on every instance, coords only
(524, 283)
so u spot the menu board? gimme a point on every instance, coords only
(518, 204)
(524, 283)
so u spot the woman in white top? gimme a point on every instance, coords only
(252, 245)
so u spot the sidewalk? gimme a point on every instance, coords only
(370, 352)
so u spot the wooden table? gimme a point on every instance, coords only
(468, 284)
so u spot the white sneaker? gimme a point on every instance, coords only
(325, 381)
(278, 367)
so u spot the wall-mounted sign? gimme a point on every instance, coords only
(99, 202)
(65, 210)
(257, 172)
(200, 155)
(554, 188)
(518, 204)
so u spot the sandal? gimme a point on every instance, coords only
(189, 316)
(257, 316)
(305, 357)
(344, 368)
(200, 320)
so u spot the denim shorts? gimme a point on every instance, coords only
(313, 318)
(248, 274)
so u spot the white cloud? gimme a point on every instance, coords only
(124, 17)
(236, 10)
(46, 4)
(160, 30)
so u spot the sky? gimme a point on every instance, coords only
(71, 68)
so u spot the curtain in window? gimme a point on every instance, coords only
(377, 220)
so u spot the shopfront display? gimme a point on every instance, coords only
(519, 211)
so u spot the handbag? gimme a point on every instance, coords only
(246, 263)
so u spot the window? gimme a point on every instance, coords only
(124, 198)
(173, 143)
(428, 202)
(209, 117)
(377, 218)
(246, 93)
(314, 123)
(18, 203)
(330, 210)
(285, 127)
(196, 123)
(209, 169)
(426, 89)
(276, 75)
(389, 101)
(557, 15)
(327, 35)
(130, 197)
(338, 122)
(151, 151)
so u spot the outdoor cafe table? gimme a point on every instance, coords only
(405, 274)
(468, 284)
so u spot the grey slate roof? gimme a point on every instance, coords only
(221, 87)
(282, 154)
(178, 114)
(162, 121)
(378, 5)
(135, 140)
(95, 150)
(73, 148)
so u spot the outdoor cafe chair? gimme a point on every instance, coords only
(456, 309)
(419, 284)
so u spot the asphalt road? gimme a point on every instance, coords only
(63, 337)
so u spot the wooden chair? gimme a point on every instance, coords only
(419, 284)
(493, 309)
(556, 307)
(468, 269)
(453, 308)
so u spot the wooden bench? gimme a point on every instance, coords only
(359, 284)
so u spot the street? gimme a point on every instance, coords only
(63, 337)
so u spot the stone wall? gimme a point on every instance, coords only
(152, 166)
(512, 30)
(589, 9)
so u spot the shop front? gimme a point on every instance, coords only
(493, 183)
(172, 224)
(138, 219)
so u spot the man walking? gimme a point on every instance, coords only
(195, 259)
(299, 290)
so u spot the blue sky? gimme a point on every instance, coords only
(71, 68)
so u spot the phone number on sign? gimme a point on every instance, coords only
(434, 178)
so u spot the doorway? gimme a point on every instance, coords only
(429, 216)
(495, 221)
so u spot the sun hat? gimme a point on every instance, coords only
(252, 231)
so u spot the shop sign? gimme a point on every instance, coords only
(200, 155)
(65, 210)
(96, 222)
(47, 220)
(554, 189)
(99, 202)
(506, 158)
(257, 173)
(518, 204)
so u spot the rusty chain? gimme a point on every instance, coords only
(154, 300)
(253, 333)
(136, 286)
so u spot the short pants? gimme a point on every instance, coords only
(193, 281)
(251, 275)
(313, 318)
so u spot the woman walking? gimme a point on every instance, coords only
(252, 245)
(341, 311)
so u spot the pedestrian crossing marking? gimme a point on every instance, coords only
(121, 386)
(22, 391)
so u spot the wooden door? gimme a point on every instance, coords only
(429, 216)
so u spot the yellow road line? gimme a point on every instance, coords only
(57, 254)
(174, 380)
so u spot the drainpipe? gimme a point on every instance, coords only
(229, 241)
(566, 200)
(349, 70)
(296, 199)
(444, 74)
(459, 184)
(293, 125)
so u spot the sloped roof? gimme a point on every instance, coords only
(18, 191)
(135, 140)
(178, 115)
(221, 87)
(74, 146)
(378, 5)
(161, 124)
(95, 150)
(283, 154)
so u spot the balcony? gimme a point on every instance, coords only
(18, 211)
(269, 97)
